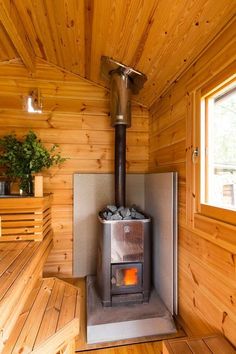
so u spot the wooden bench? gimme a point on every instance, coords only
(21, 265)
(49, 321)
(39, 316)
(206, 345)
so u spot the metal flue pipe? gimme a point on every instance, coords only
(124, 82)
(120, 162)
(121, 118)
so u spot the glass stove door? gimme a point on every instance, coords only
(126, 278)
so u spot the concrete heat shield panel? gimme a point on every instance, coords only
(161, 205)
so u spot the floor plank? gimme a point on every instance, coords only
(144, 348)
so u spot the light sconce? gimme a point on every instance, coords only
(34, 101)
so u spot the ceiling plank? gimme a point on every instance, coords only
(19, 41)
(7, 50)
(88, 23)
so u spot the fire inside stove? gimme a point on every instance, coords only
(129, 276)
(125, 277)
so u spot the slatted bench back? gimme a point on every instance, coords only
(25, 218)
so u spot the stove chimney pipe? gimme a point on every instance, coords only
(121, 119)
(124, 81)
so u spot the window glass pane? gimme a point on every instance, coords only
(221, 155)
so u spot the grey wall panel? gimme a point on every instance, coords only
(91, 193)
(160, 203)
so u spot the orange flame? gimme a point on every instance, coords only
(130, 276)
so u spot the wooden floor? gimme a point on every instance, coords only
(143, 348)
(151, 346)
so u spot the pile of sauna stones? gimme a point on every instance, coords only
(111, 212)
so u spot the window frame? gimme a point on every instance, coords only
(208, 90)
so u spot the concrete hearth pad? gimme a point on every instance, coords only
(106, 324)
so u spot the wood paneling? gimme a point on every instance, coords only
(160, 38)
(207, 254)
(75, 116)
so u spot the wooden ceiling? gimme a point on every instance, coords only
(161, 38)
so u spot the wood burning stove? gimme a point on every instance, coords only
(123, 272)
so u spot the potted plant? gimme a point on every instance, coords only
(22, 158)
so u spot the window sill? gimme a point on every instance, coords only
(223, 215)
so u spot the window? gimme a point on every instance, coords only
(213, 150)
(218, 147)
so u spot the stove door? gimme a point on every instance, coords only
(126, 278)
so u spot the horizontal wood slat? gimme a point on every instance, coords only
(25, 218)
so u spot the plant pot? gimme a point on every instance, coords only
(26, 185)
(4, 187)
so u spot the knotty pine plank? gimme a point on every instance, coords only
(213, 255)
(193, 324)
(168, 112)
(50, 318)
(218, 287)
(216, 228)
(179, 347)
(172, 154)
(99, 151)
(98, 166)
(24, 296)
(61, 269)
(218, 345)
(211, 313)
(58, 120)
(16, 268)
(65, 255)
(20, 273)
(198, 346)
(8, 255)
(31, 327)
(82, 136)
(174, 68)
(144, 348)
(169, 134)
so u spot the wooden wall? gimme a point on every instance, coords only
(207, 248)
(75, 116)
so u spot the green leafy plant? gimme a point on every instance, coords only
(22, 158)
